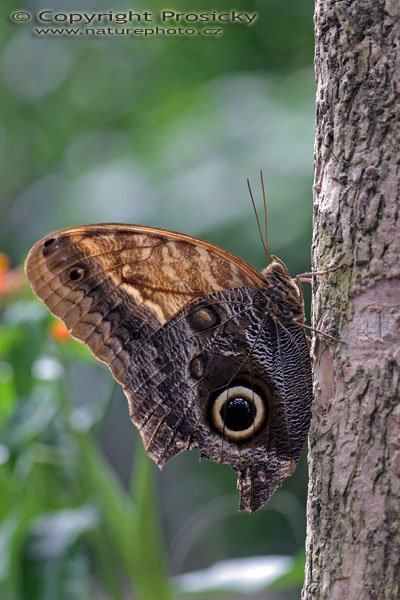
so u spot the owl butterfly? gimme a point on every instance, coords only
(210, 353)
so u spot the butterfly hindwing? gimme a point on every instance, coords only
(217, 346)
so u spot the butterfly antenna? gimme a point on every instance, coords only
(269, 260)
(258, 221)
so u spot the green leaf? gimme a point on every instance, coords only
(7, 391)
(115, 541)
(66, 577)
(150, 568)
(53, 534)
(32, 417)
(8, 529)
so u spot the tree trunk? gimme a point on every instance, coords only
(353, 541)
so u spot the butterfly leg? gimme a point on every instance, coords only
(307, 277)
(320, 332)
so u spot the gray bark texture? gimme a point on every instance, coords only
(353, 540)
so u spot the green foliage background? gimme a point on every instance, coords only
(160, 131)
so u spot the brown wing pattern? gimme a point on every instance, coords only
(112, 283)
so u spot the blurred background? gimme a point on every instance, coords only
(161, 131)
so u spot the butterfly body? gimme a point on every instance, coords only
(210, 353)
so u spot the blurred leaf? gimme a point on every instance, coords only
(8, 529)
(294, 578)
(25, 312)
(66, 577)
(21, 338)
(150, 565)
(53, 534)
(32, 417)
(7, 392)
(9, 335)
(100, 482)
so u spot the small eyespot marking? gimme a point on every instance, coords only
(76, 274)
(204, 318)
(197, 366)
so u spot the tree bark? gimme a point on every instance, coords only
(353, 540)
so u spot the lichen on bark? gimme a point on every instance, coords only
(353, 541)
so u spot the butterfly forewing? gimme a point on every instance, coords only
(111, 283)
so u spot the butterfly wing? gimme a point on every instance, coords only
(174, 319)
(229, 379)
(113, 284)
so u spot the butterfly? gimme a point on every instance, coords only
(210, 353)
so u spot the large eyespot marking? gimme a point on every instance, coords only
(238, 413)
(76, 274)
(203, 318)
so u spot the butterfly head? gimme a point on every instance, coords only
(276, 267)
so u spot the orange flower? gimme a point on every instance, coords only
(4, 265)
(11, 280)
(4, 262)
(59, 331)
